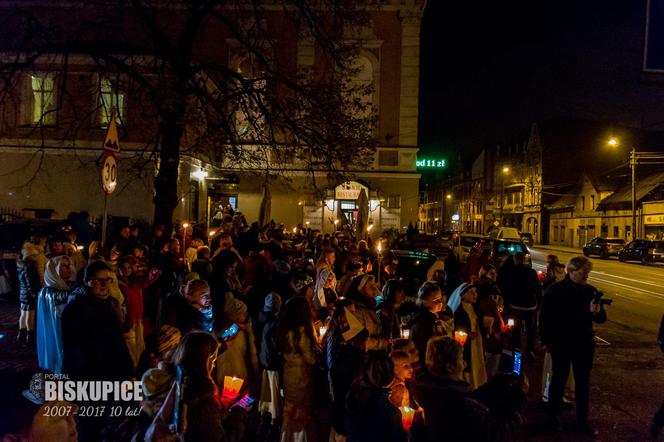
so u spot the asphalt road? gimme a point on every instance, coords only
(627, 385)
(637, 290)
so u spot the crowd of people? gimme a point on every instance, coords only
(326, 338)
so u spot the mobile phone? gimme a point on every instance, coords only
(180, 408)
(516, 367)
(230, 332)
(245, 401)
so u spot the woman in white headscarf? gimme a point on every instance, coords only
(51, 302)
(466, 318)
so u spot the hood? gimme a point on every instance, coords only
(31, 250)
(52, 274)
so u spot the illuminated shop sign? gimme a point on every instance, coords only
(430, 163)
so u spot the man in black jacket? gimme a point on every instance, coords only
(569, 309)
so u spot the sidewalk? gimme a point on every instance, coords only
(556, 248)
(13, 355)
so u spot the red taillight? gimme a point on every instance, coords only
(456, 235)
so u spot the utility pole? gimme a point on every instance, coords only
(632, 162)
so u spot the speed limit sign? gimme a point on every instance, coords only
(109, 173)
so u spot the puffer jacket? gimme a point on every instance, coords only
(28, 281)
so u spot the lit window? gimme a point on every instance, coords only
(43, 99)
(110, 100)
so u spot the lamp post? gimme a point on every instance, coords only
(448, 197)
(635, 158)
(505, 171)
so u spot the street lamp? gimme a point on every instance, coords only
(506, 170)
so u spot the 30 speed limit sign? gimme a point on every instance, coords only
(109, 173)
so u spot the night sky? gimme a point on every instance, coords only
(490, 69)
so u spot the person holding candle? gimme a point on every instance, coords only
(369, 413)
(454, 411)
(569, 309)
(433, 317)
(466, 319)
(296, 339)
(387, 309)
(403, 371)
(362, 293)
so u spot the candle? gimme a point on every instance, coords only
(460, 336)
(322, 330)
(405, 333)
(232, 386)
(510, 323)
(407, 415)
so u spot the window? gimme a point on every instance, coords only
(562, 233)
(616, 231)
(388, 158)
(592, 202)
(583, 203)
(110, 100)
(43, 99)
(393, 202)
(555, 232)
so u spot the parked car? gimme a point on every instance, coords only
(643, 250)
(412, 267)
(604, 247)
(527, 239)
(506, 233)
(464, 242)
(500, 249)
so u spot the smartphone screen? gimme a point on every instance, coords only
(229, 332)
(517, 363)
(245, 401)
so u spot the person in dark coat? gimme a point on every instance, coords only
(369, 413)
(434, 317)
(92, 339)
(569, 309)
(453, 411)
(522, 292)
(388, 308)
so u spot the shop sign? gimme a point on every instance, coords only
(350, 190)
(653, 219)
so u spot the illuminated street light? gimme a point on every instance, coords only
(185, 225)
(448, 196)
(369, 227)
(212, 233)
(613, 142)
(506, 169)
(200, 175)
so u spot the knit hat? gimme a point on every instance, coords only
(168, 337)
(272, 303)
(234, 309)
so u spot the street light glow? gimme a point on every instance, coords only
(506, 169)
(613, 142)
(448, 196)
(185, 225)
(212, 233)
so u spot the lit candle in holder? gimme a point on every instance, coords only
(322, 330)
(405, 333)
(232, 386)
(460, 336)
(407, 415)
(510, 323)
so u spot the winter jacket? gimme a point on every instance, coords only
(156, 383)
(270, 358)
(453, 412)
(426, 325)
(520, 287)
(370, 416)
(179, 313)
(28, 282)
(298, 376)
(205, 424)
(389, 321)
(565, 318)
(93, 342)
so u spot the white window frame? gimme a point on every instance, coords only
(47, 111)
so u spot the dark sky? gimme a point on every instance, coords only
(490, 69)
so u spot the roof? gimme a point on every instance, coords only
(567, 201)
(644, 187)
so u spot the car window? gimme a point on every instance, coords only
(510, 248)
(468, 241)
(601, 241)
(616, 241)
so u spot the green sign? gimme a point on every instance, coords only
(430, 163)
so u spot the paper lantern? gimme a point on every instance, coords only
(407, 415)
(232, 387)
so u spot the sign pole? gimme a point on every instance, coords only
(104, 221)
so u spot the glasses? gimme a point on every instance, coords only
(105, 281)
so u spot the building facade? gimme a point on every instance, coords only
(47, 166)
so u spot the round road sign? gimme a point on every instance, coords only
(109, 174)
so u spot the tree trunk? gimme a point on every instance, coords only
(166, 184)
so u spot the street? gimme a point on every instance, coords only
(628, 375)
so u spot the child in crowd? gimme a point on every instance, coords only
(403, 371)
